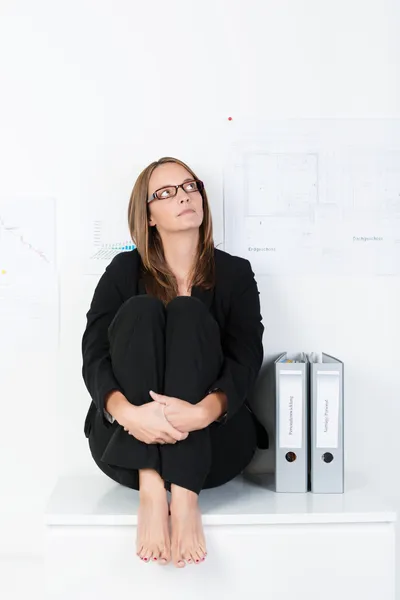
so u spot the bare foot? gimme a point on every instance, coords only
(188, 542)
(153, 540)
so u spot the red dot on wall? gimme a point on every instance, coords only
(229, 118)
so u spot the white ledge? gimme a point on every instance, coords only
(97, 500)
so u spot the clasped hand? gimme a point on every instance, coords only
(165, 420)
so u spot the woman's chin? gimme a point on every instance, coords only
(189, 224)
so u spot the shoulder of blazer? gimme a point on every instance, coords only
(228, 266)
(124, 269)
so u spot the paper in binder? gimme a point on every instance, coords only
(326, 424)
(291, 458)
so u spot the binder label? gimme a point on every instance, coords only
(328, 394)
(290, 409)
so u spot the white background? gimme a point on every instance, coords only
(92, 92)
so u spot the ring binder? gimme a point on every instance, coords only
(291, 458)
(326, 433)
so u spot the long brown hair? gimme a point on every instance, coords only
(158, 277)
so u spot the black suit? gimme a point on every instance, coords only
(212, 339)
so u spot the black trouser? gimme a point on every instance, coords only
(176, 351)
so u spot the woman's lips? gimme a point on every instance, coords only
(188, 210)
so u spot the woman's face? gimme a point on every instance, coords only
(174, 213)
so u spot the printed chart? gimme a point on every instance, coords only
(107, 236)
(28, 279)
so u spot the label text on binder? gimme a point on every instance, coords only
(290, 409)
(327, 425)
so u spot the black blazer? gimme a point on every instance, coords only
(234, 302)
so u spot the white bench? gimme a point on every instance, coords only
(260, 544)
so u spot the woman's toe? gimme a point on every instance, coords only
(164, 557)
(147, 555)
(197, 556)
(178, 560)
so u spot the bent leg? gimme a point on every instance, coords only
(137, 343)
(137, 350)
(193, 359)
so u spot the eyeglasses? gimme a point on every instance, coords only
(195, 185)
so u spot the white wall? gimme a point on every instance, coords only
(92, 91)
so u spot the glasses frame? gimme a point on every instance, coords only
(200, 186)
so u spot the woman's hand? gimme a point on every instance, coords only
(148, 424)
(180, 414)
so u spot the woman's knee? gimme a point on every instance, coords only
(137, 307)
(182, 303)
(190, 309)
(141, 304)
(191, 315)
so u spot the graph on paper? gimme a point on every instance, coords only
(106, 235)
(27, 237)
(28, 277)
(106, 251)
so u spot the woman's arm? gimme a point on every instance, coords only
(213, 408)
(241, 341)
(96, 369)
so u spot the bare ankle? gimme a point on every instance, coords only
(150, 481)
(181, 494)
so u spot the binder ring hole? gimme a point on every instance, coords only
(327, 457)
(290, 456)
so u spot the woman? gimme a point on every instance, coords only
(171, 349)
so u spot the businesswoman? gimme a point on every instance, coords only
(171, 350)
